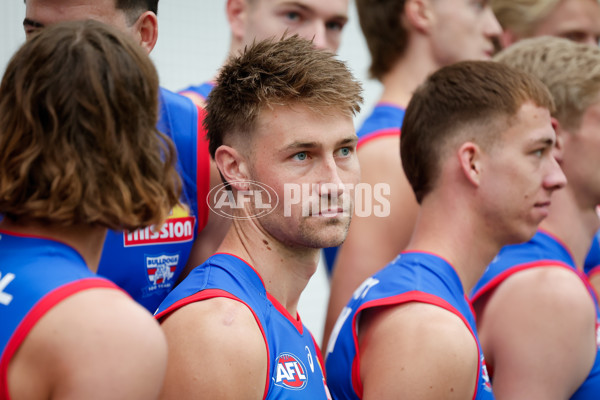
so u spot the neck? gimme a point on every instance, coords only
(445, 228)
(407, 74)
(574, 224)
(86, 240)
(285, 270)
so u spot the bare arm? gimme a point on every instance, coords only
(216, 351)
(373, 241)
(538, 331)
(417, 351)
(96, 344)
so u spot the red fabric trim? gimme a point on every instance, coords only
(44, 305)
(553, 236)
(408, 297)
(492, 284)
(376, 135)
(211, 294)
(295, 321)
(202, 171)
(320, 358)
(594, 271)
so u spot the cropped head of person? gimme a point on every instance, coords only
(135, 17)
(576, 20)
(316, 20)
(78, 143)
(493, 124)
(281, 114)
(456, 30)
(571, 71)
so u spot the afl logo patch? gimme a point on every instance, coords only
(290, 372)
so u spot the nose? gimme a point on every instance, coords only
(492, 27)
(555, 179)
(319, 36)
(330, 182)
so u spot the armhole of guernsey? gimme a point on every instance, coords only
(412, 296)
(44, 305)
(211, 294)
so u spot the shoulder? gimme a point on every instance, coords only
(234, 353)
(419, 350)
(120, 344)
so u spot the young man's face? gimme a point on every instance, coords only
(581, 158)
(293, 149)
(41, 13)
(463, 30)
(520, 173)
(577, 20)
(317, 20)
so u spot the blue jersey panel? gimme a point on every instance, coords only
(147, 262)
(542, 250)
(412, 277)
(35, 274)
(592, 261)
(294, 368)
(385, 120)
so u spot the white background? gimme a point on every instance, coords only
(192, 44)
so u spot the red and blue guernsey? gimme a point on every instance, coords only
(198, 93)
(592, 261)
(385, 120)
(542, 250)
(35, 275)
(412, 277)
(295, 362)
(146, 263)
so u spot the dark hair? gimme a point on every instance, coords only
(134, 8)
(272, 72)
(481, 93)
(384, 32)
(78, 143)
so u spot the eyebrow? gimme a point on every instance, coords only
(311, 145)
(31, 23)
(546, 141)
(339, 17)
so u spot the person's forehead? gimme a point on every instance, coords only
(52, 11)
(328, 9)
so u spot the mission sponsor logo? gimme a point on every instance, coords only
(291, 372)
(178, 228)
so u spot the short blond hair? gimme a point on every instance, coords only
(522, 16)
(570, 70)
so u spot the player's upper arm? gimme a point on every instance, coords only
(96, 344)
(416, 351)
(537, 330)
(216, 348)
(374, 239)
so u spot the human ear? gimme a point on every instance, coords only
(232, 166)
(146, 29)
(469, 157)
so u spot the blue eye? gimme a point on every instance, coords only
(301, 156)
(345, 151)
(292, 16)
(334, 26)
